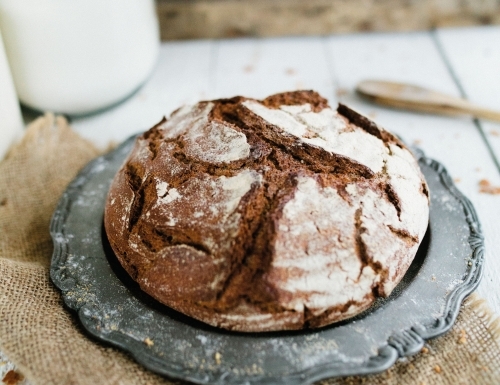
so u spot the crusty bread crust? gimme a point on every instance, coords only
(267, 215)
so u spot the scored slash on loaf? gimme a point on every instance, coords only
(266, 215)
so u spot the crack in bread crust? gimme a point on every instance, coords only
(198, 209)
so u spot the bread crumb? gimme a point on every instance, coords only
(12, 378)
(290, 71)
(149, 342)
(457, 180)
(494, 133)
(486, 187)
(463, 337)
(218, 358)
(433, 277)
(248, 69)
(341, 92)
(425, 350)
(417, 141)
(437, 369)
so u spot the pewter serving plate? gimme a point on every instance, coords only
(113, 309)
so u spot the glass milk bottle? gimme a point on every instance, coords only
(11, 123)
(77, 57)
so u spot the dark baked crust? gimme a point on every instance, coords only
(197, 215)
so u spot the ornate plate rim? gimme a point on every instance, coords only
(405, 343)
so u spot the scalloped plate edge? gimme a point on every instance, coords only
(405, 343)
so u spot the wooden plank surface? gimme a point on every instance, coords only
(181, 19)
(197, 70)
(474, 55)
(259, 67)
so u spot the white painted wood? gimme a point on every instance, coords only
(474, 54)
(454, 142)
(261, 67)
(180, 77)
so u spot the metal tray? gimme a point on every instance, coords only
(113, 309)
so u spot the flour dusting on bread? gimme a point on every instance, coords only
(274, 214)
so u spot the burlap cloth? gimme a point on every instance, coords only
(45, 340)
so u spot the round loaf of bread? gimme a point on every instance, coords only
(274, 214)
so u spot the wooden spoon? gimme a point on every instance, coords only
(410, 97)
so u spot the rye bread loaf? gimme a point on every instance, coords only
(265, 215)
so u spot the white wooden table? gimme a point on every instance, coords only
(460, 62)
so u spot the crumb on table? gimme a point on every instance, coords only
(486, 187)
(148, 341)
(342, 92)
